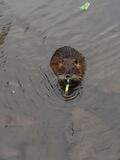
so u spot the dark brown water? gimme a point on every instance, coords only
(35, 121)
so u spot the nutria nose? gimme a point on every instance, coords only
(67, 76)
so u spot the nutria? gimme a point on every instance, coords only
(69, 67)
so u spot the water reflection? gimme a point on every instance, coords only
(4, 32)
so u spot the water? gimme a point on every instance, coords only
(35, 121)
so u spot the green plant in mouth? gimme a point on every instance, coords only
(67, 87)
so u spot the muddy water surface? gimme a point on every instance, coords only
(35, 121)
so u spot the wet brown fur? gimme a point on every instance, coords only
(67, 59)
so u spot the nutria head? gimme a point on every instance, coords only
(69, 67)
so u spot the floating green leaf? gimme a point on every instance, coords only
(85, 6)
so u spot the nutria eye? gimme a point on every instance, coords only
(61, 61)
(76, 61)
